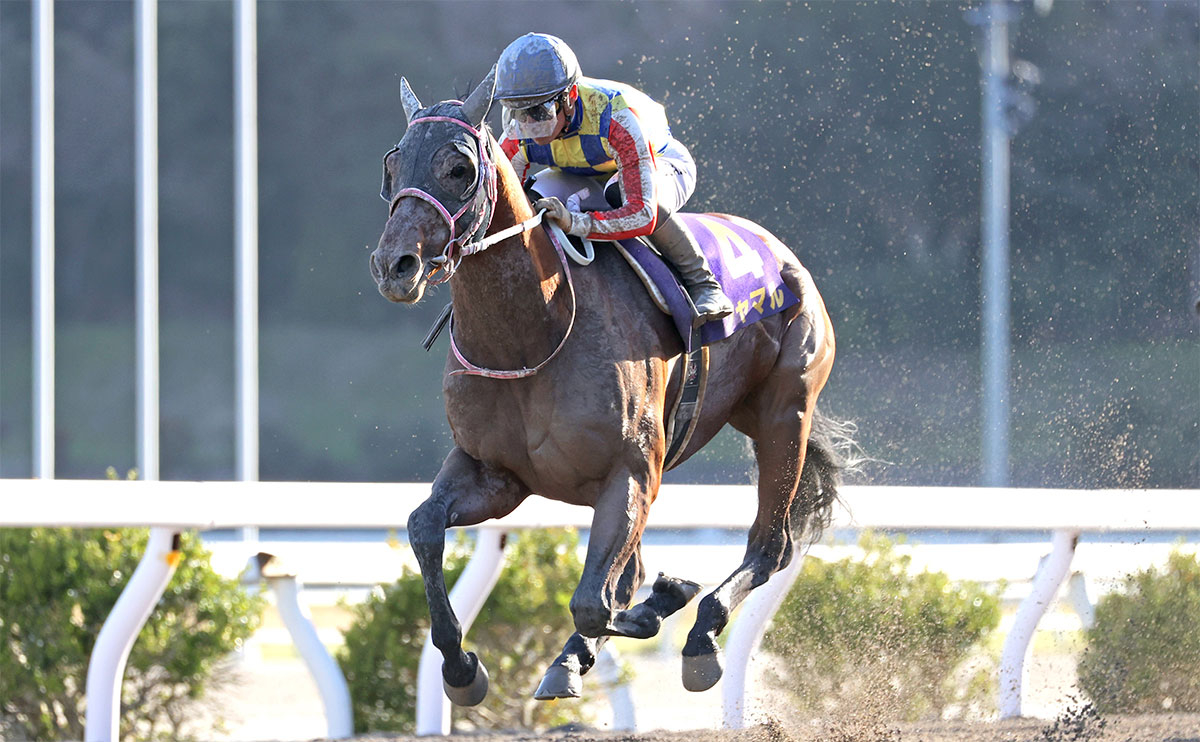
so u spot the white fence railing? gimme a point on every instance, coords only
(170, 507)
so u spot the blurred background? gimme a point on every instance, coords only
(851, 130)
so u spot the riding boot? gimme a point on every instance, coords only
(678, 245)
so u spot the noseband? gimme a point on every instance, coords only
(483, 201)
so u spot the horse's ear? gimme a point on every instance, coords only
(476, 107)
(409, 99)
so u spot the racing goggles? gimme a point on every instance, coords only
(533, 122)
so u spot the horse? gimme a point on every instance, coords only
(558, 383)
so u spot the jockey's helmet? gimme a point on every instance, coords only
(534, 69)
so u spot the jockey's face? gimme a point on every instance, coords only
(564, 111)
(558, 127)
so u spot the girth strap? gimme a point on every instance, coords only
(685, 413)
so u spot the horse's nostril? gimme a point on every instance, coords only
(408, 264)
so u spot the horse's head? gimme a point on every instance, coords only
(440, 184)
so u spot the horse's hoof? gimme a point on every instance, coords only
(471, 694)
(559, 682)
(683, 590)
(639, 622)
(702, 671)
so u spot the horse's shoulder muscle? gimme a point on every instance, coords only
(620, 318)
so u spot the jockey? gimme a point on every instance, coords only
(612, 169)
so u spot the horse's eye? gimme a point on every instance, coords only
(457, 171)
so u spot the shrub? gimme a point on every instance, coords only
(57, 585)
(381, 649)
(1143, 652)
(864, 633)
(520, 630)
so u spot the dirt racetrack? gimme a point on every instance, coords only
(1073, 726)
(262, 711)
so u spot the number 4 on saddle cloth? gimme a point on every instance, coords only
(743, 264)
(749, 275)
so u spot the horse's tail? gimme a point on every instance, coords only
(832, 452)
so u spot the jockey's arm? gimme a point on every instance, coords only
(635, 164)
(516, 155)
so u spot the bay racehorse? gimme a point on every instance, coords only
(557, 383)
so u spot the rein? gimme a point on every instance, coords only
(470, 369)
(484, 194)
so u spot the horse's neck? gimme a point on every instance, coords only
(504, 313)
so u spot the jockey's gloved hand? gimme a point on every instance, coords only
(556, 211)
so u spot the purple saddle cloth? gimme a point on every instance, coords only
(744, 266)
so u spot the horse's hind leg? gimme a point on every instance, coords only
(465, 492)
(768, 549)
(779, 417)
(667, 595)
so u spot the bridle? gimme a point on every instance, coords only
(481, 197)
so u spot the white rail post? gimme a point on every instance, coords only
(746, 636)
(107, 664)
(1081, 601)
(467, 598)
(331, 683)
(1050, 575)
(620, 697)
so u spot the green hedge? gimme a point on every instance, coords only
(57, 586)
(1143, 652)
(520, 629)
(865, 633)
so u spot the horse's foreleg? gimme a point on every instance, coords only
(768, 548)
(607, 583)
(465, 492)
(564, 678)
(612, 573)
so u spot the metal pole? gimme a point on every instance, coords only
(995, 269)
(147, 243)
(1, 302)
(43, 239)
(1, 291)
(246, 193)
